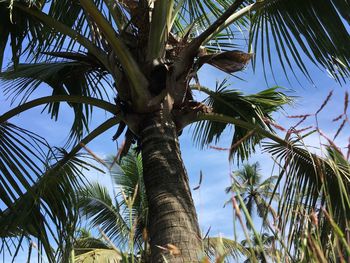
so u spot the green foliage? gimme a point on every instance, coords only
(31, 187)
(315, 190)
(255, 109)
(111, 214)
(280, 26)
(77, 78)
(113, 217)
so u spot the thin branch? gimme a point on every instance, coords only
(98, 159)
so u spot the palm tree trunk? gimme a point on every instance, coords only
(172, 215)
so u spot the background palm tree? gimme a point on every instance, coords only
(147, 52)
(256, 195)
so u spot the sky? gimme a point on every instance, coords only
(210, 197)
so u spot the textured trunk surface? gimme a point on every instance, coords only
(172, 215)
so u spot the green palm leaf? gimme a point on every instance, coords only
(317, 28)
(281, 25)
(112, 214)
(128, 176)
(77, 78)
(46, 209)
(31, 25)
(254, 193)
(311, 184)
(255, 109)
(38, 185)
(96, 203)
(85, 242)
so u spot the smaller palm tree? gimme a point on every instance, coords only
(254, 192)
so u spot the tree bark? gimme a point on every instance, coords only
(172, 215)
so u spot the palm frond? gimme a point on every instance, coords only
(31, 32)
(317, 30)
(85, 242)
(303, 29)
(311, 184)
(128, 173)
(255, 109)
(253, 192)
(23, 158)
(38, 185)
(77, 78)
(46, 210)
(96, 203)
(15, 33)
(112, 215)
(202, 12)
(128, 177)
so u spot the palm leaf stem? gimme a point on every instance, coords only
(59, 98)
(234, 17)
(197, 42)
(92, 135)
(159, 29)
(96, 132)
(217, 97)
(250, 220)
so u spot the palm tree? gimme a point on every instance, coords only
(148, 51)
(255, 194)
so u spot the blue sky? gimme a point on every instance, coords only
(209, 199)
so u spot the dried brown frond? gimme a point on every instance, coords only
(229, 61)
